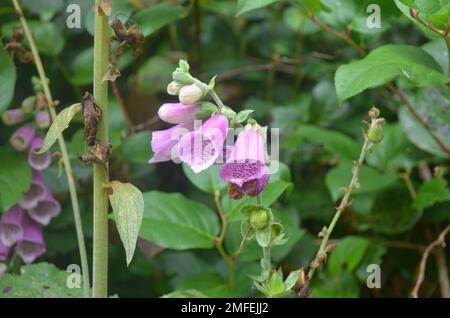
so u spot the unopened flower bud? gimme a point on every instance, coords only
(374, 112)
(173, 88)
(43, 120)
(190, 94)
(13, 116)
(375, 134)
(259, 218)
(28, 104)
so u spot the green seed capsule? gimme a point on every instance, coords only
(375, 134)
(259, 219)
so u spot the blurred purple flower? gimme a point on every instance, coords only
(36, 192)
(38, 161)
(43, 120)
(11, 229)
(177, 113)
(201, 148)
(22, 137)
(13, 116)
(164, 141)
(245, 169)
(4, 251)
(32, 243)
(45, 210)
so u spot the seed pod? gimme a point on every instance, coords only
(375, 134)
(259, 219)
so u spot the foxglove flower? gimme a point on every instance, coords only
(32, 243)
(22, 137)
(35, 193)
(13, 116)
(45, 210)
(163, 141)
(43, 120)
(201, 148)
(190, 94)
(245, 169)
(11, 229)
(177, 113)
(4, 251)
(38, 161)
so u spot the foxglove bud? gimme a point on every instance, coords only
(190, 94)
(28, 104)
(43, 120)
(21, 138)
(176, 113)
(173, 88)
(13, 116)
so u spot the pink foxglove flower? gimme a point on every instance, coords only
(32, 243)
(177, 113)
(13, 116)
(45, 210)
(11, 229)
(245, 169)
(38, 161)
(43, 120)
(164, 141)
(22, 137)
(35, 193)
(201, 148)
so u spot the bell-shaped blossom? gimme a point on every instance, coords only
(177, 113)
(22, 137)
(245, 169)
(45, 210)
(4, 251)
(32, 244)
(11, 229)
(35, 193)
(43, 119)
(201, 148)
(38, 161)
(13, 116)
(164, 141)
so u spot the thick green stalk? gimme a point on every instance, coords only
(101, 50)
(63, 149)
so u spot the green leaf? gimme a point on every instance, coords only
(136, 148)
(190, 293)
(334, 141)
(154, 74)
(270, 194)
(244, 6)
(431, 192)
(211, 284)
(40, 280)
(7, 79)
(348, 253)
(369, 179)
(157, 16)
(291, 280)
(243, 115)
(173, 221)
(208, 180)
(61, 123)
(15, 177)
(128, 207)
(385, 64)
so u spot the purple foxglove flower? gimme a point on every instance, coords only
(11, 229)
(4, 251)
(201, 148)
(164, 142)
(43, 120)
(22, 137)
(245, 169)
(13, 116)
(36, 192)
(177, 113)
(45, 210)
(32, 243)
(38, 161)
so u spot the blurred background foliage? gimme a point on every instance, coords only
(273, 58)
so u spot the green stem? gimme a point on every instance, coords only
(100, 266)
(320, 256)
(216, 98)
(63, 149)
(447, 41)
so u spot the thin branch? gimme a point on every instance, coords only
(423, 262)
